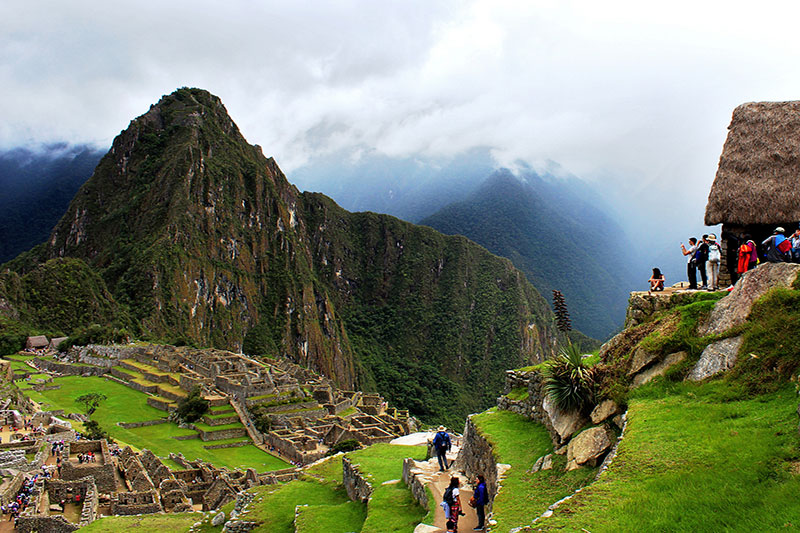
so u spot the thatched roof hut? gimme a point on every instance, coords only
(36, 342)
(758, 179)
(54, 342)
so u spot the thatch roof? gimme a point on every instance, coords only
(758, 179)
(54, 342)
(37, 341)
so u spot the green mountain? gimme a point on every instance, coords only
(197, 236)
(554, 232)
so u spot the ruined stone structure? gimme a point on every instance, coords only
(102, 470)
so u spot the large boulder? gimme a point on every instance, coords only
(604, 410)
(641, 358)
(717, 357)
(588, 447)
(562, 424)
(658, 369)
(735, 307)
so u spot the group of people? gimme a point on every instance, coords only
(451, 500)
(778, 248)
(704, 255)
(23, 497)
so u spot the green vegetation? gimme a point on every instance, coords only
(124, 404)
(519, 441)
(696, 458)
(192, 407)
(518, 394)
(391, 507)
(91, 401)
(133, 524)
(568, 381)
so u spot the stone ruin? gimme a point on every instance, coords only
(52, 497)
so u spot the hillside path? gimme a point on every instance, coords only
(439, 481)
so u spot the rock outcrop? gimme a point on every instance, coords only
(716, 358)
(659, 369)
(734, 309)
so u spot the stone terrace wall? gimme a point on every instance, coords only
(417, 486)
(477, 457)
(70, 370)
(45, 524)
(357, 487)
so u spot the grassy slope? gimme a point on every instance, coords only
(391, 507)
(124, 404)
(519, 441)
(697, 458)
(153, 522)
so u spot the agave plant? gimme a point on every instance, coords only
(568, 382)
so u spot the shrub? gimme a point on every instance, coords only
(193, 407)
(93, 431)
(568, 381)
(344, 446)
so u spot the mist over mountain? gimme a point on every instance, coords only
(551, 229)
(409, 188)
(37, 186)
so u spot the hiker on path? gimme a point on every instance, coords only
(453, 501)
(481, 496)
(712, 265)
(442, 445)
(691, 265)
(657, 280)
(795, 238)
(778, 247)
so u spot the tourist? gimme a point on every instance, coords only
(713, 262)
(450, 526)
(442, 445)
(453, 501)
(777, 246)
(701, 256)
(481, 496)
(796, 246)
(657, 280)
(748, 256)
(691, 265)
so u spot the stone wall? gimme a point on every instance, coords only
(103, 473)
(233, 433)
(476, 456)
(357, 487)
(131, 503)
(412, 476)
(130, 425)
(69, 369)
(44, 524)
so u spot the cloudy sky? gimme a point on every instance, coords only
(636, 94)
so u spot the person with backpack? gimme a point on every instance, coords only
(778, 247)
(713, 262)
(451, 502)
(481, 498)
(442, 445)
(795, 238)
(700, 258)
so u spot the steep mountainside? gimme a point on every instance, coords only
(37, 188)
(552, 231)
(196, 234)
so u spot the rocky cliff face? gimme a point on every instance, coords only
(198, 234)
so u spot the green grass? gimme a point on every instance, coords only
(519, 441)
(697, 458)
(347, 412)
(342, 518)
(205, 427)
(518, 394)
(274, 505)
(124, 404)
(391, 507)
(152, 522)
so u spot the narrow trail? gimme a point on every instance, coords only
(438, 482)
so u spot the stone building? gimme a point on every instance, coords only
(756, 186)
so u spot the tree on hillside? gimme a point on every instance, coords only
(192, 407)
(91, 401)
(563, 322)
